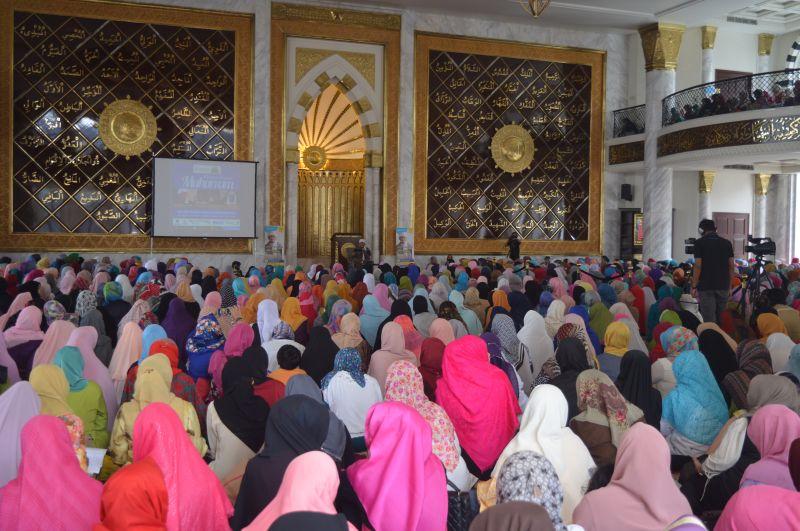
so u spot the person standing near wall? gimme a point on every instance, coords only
(713, 269)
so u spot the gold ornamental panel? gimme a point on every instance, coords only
(90, 92)
(626, 153)
(509, 140)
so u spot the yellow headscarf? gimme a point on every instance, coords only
(250, 310)
(153, 381)
(291, 314)
(183, 291)
(276, 292)
(616, 339)
(331, 288)
(52, 387)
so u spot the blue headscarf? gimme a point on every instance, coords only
(348, 360)
(582, 312)
(793, 365)
(654, 313)
(462, 283)
(389, 279)
(372, 315)
(607, 295)
(413, 273)
(71, 362)
(206, 339)
(150, 335)
(544, 302)
(240, 287)
(144, 278)
(695, 407)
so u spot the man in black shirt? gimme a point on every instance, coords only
(713, 269)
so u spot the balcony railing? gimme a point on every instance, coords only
(746, 93)
(629, 121)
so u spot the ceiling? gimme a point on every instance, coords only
(620, 15)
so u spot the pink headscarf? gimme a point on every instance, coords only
(56, 337)
(85, 338)
(239, 338)
(126, 353)
(18, 405)
(7, 361)
(67, 281)
(413, 338)
(19, 302)
(478, 398)
(585, 277)
(441, 330)
(310, 483)
(772, 430)
(30, 501)
(196, 497)
(381, 292)
(27, 328)
(557, 287)
(401, 484)
(641, 489)
(212, 303)
(761, 507)
(170, 282)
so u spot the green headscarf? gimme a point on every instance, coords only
(71, 362)
(670, 316)
(112, 291)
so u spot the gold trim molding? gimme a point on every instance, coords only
(307, 58)
(344, 17)
(706, 181)
(765, 43)
(240, 23)
(424, 43)
(708, 36)
(762, 183)
(661, 44)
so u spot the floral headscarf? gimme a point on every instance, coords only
(678, 339)
(530, 477)
(348, 360)
(53, 311)
(85, 303)
(601, 403)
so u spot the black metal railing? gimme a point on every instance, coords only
(629, 121)
(745, 93)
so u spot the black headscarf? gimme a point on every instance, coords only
(571, 359)
(720, 357)
(689, 320)
(635, 382)
(513, 516)
(399, 307)
(239, 409)
(296, 425)
(533, 290)
(256, 357)
(163, 305)
(519, 307)
(309, 520)
(197, 277)
(319, 354)
(484, 292)
(207, 285)
(420, 304)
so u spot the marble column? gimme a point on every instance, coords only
(764, 51)
(660, 44)
(781, 215)
(708, 36)
(372, 213)
(761, 184)
(291, 214)
(612, 219)
(704, 195)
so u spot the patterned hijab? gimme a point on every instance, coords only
(85, 303)
(503, 327)
(678, 339)
(348, 360)
(753, 359)
(601, 403)
(529, 477)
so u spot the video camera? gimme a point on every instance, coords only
(689, 245)
(760, 246)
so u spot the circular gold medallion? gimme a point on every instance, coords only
(314, 157)
(512, 148)
(128, 127)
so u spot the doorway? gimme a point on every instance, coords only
(734, 227)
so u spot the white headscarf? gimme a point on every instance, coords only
(635, 342)
(533, 335)
(127, 289)
(779, 346)
(544, 430)
(197, 293)
(267, 318)
(555, 317)
(369, 280)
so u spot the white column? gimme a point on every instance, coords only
(612, 220)
(764, 51)
(704, 195)
(371, 176)
(377, 208)
(781, 215)
(291, 213)
(657, 180)
(760, 205)
(708, 36)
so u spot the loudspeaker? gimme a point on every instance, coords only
(626, 192)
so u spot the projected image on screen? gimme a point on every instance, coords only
(214, 199)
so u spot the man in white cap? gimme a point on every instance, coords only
(362, 256)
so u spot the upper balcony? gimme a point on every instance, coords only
(629, 121)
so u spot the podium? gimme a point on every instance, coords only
(343, 244)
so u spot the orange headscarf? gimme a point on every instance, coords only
(768, 324)
(291, 314)
(250, 310)
(344, 292)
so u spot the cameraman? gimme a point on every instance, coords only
(713, 270)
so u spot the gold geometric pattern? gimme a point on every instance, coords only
(71, 179)
(332, 126)
(661, 44)
(512, 148)
(308, 58)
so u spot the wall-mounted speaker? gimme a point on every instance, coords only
(626, 192)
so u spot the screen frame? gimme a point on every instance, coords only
(255, 193)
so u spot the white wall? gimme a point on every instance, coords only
(733, 192)
(685, 210)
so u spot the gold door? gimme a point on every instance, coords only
(330, 179)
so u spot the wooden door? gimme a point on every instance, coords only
(734, 226)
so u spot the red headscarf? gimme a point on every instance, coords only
(413, 338)
(168, 348)
(657, 352)
(430, 365)
(135, 497)
(638, 294)
(478, 398)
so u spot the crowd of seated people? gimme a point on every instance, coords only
(779, 96)
(554, 394)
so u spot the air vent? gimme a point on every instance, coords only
(739, 167)
(742, 20)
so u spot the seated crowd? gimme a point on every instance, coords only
(549, 394)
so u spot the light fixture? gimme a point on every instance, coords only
(534, 7)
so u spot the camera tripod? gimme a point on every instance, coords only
(751, 289)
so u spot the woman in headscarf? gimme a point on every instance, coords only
(398, 308)
(599, 318)
(206, 339)
(636, 385)
(616, 340)
(555, 317)
(153, 382)
(21, 301)
(413, 339)
(114, 309)
(52, 387)
(339, 309)
(519, 308)
(30, 501)
(211, 304)
(393, 349)
(761, 507)
(604, 416)
(296, 424)
(239, 338)
(184, 293)
(513, 516)
(349, 336)
(291, 313)
(720, 355)
(512, 349)
(642, 494)
(195, 497)
(24, 338)
(102, 348)
(85, 397)
(694, 411)
(236, 421)
(18, 404)
(544, 430)
(572, 361)
(441, 330)
(178, 324)
(772, 429)
(318, 357)
(674, 341)
(752, 358)
(430, 365)
(85, 338)
(401, 484)
(127, 290)
(372, 316)
(623, 315)
(533, 337)
(423, 314)
(309, 486)
(404, 384)
(780, 347)
(479, 401)
(473, 301)
(126, 353)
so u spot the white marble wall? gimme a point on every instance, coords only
(708, 65)
(612, 216)
(763, 64)
(781, 214)
(704, 205)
